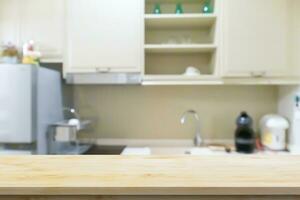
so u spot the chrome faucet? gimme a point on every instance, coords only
(198, 141)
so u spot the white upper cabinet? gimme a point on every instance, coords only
(255, 40)
(38, 20)
(43, 22)
(294, 37)
(9, 21)
(104, 36)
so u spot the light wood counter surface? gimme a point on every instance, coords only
(163, 175)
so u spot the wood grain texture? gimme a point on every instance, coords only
(150, 198)
(153, 175)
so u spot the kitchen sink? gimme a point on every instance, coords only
(183, 151)
(155, 150)
(105, 150)
(172, 151)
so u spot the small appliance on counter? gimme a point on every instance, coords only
(63, 136)
(289, 107)
(273, 129)
(244, 135)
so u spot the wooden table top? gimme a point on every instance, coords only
(150, 175)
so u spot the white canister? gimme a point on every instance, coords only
(274, 132)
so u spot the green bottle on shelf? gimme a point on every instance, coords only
(179, 9)
(207, 7)
(157, 9)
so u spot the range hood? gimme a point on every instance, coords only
(104, 78)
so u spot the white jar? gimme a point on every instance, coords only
(273, 130)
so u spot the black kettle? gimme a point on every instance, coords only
(244, 135)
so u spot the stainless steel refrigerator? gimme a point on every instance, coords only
(30, 100)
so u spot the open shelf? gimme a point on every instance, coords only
(185, 29)
(177, 63)
(176, 42)
(181, 80)
(168, 6)
(180, 48)
(178, 37)
(171, 21)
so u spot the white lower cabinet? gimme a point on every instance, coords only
(104, 36)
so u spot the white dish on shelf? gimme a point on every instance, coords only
(192, 71)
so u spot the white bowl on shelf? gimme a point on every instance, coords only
(192, 71)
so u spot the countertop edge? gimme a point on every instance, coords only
(153, 191)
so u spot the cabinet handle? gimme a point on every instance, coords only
(258, 74)
(103, 70)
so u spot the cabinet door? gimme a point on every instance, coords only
(9, 22)
(294, 37)
(104, 36)
(255, 38)
(43, 22)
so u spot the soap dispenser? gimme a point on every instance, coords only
(244, 135)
